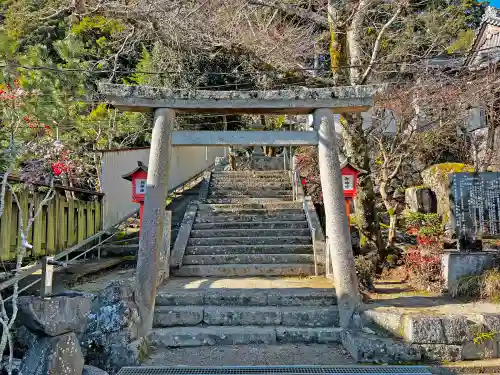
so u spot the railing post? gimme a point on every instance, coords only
(99, 247)
(47, 275)
(316, 273)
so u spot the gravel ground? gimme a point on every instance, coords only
(252, 355)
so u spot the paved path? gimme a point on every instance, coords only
(203, 283)
(252, 355)
(396, 296)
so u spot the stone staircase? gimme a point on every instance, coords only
(249, 226)
(243, 274)
(243, 311)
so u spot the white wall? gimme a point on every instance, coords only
(185, 163)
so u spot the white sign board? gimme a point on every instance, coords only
(348, 182)
(140, 186)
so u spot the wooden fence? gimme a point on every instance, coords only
(63, 222)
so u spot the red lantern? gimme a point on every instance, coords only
(349, 182)
(138, 177)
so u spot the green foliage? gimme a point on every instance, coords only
(443, 169)
(93, 23)
(425, 224)
(366, 269)
(392, 260)
(467, 286)
(463, 42)
(485, 286)
(483, 337)
(143, 65)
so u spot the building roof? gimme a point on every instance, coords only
(486, 46)
(344, 162)
(140, 167)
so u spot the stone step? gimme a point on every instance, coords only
(273, 240)
(249, 249)
(365, 348)
(247, 259)
(222, 193)
(284, 185)
(211, 233)
(252, 225)
(247, 297)
(230, 270)
(258, 177)
(277, 177)
(271, 205)
(253, 173)
(263, 195)
(250, 182)
(261, 212)
(263, 217)
(295, 316)
(247, 200)
(250, 188)
(119, 250)
(241, 335)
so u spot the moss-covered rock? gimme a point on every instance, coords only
(436, 177)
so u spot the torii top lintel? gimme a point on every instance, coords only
(297, 101)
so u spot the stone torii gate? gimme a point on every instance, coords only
(165, 103)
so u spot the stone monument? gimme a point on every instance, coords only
(475, 215)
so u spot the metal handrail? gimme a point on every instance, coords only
(313, 236)
(48, 262)
(111, 231)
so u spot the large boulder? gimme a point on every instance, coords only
(436, 177)
(420, 199)
(111, 336)
(60, 355)
(57, 315)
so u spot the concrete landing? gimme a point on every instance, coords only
(204, 283)
(252, 355)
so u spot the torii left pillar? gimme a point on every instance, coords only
(151, 238)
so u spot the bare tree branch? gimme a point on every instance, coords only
(292, 10)
(117, 55)
(376, 46)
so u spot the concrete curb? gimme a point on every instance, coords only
(183, 235)
(205, 184)
(317, 234)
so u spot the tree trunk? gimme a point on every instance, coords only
(338, 50)
(353, 40)
(391, 240)
(356, 150)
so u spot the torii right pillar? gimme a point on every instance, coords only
(338, 238)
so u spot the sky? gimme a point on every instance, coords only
(495, 3)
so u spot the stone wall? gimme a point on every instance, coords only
(52, 327)
(456, 265)
(442, 338)
(267, 163)
(110, 340)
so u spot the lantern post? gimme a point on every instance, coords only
(349, 182)
(138, 177)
